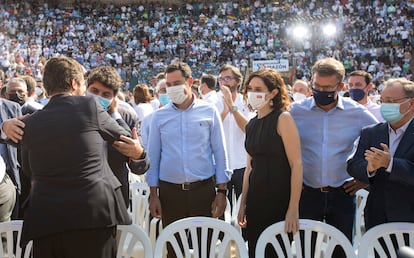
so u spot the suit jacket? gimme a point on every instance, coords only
(120, 164)
(10, 109)
(63, 152)
(390, 196)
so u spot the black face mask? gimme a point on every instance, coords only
(324, 98)
(17, 97)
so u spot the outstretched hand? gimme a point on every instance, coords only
(130, 147)
(13, 128)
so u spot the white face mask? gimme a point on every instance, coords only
(177, 94)
(297, 96)
(257, 100)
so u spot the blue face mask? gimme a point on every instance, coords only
(103, 101)
(391, 112)
(357, 94)
(324, 98)
(164, 99)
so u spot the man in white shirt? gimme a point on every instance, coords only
(207, 88)
(235, 115)
(360, 84)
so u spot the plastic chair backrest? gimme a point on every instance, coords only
(327, 238)
(130, 237)
(359, 225)
(140, 205)
(183, 231)
(399, 233)
(7, 230)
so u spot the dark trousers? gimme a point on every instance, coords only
(336, 208)
(88, 243)
(235, 183)
(178, 204)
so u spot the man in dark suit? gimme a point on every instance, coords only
(385, 157)
(105, 82)
(10, 111)
(75, 202)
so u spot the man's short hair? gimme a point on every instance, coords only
(367, 76)
(15, 80)
(408, 86)
(328, 67)
(179, 66)
(31, 84)
(59, 73)
(210, 80)
(108, 76)
(236, 72)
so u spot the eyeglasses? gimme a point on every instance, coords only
(225, 79)
(393, 100)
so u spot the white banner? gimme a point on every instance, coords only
(281, 65)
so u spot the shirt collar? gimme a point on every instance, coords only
(400, 130)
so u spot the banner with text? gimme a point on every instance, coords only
(281, 65)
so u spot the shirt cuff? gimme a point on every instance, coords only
(389, 168)
(3, 136)
(116, 115)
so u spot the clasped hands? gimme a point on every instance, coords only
(377, 158)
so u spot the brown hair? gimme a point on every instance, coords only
(328, 67)
(273, 80)
(59, 73)
(367, 76)
(142, 94)
(108, 76)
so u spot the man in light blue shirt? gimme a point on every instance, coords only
(187, 151)
(328, 126)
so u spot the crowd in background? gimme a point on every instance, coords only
(140, 40)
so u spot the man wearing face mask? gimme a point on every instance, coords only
(385, 157)
(360, 84)
(161, 92)
(300, 90)
(75, 199)
(207, 88)
(188, 155)
(104, 83)
(16, 90)
(235, 114)
(328, 126)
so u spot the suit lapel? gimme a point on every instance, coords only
(407, 141)
(384, 135)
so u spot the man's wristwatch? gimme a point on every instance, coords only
(223, 191)
(233, 109)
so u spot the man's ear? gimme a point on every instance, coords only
(341, 86)
(73, 85)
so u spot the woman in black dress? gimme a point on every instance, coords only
(273, 176)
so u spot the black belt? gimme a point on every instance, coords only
(187, 186)
(324, 189)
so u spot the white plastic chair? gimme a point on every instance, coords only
(359, 225)
(6, 231)
(130, 237)
(327, 235)
(140, 206)
(370, 241)
(234, 213)
(195, 228)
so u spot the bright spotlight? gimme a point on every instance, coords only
(329, 30)
(300, 31)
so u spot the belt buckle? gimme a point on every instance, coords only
(185, 186)
(324, 189)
